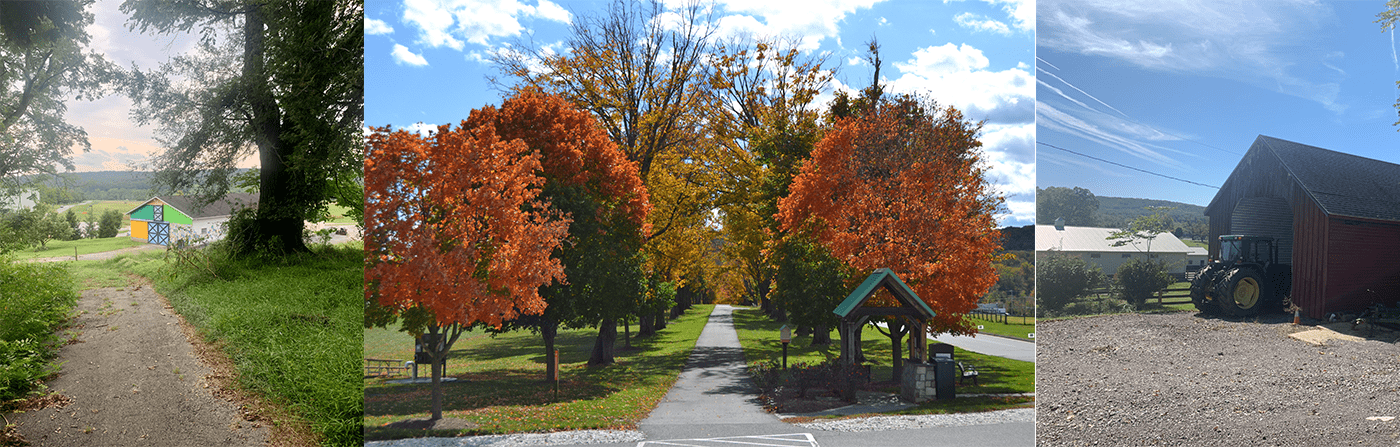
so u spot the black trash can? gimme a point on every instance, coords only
(945, 373)
(421, 349)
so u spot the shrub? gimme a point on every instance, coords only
(1061, 278)
(1138, 279)
(109, 225)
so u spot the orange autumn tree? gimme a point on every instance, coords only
(898, 183)
(590, 180)
(455, 234)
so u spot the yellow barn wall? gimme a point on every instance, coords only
(138, 230)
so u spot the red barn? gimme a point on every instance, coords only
(1336, 217)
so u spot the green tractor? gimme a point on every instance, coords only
(1245, 281)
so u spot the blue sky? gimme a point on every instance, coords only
(1182, 88)
(426, 61)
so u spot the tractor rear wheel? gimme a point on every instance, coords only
(1242, 293)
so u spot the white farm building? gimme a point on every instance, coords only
(1092, 244)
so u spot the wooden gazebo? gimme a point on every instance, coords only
(854, 314)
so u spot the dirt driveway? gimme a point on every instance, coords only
(133, 379)
(1186, 379)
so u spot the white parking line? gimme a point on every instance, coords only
(786, 440)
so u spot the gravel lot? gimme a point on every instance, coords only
(1189, 379)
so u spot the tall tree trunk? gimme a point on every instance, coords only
(660, 322)
(646, 327)
(276, 221)
(549, 329)
(897, 330)
(821, 336)
(779, 315)
(626, 333)
(603, 346)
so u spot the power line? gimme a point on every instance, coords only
(1125, 166)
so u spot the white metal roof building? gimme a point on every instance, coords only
(1092, 244)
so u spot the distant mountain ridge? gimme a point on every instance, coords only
(1116, 212)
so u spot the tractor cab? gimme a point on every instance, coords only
(1248, 249)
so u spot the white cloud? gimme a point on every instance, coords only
(981, 23)
(453, 23)
(403, 56)
(426, 130)
(813, 21)
(376, 27)
(1021, 12)
(1264, 44)
(959, 76)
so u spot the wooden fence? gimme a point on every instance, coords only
(998, 317)
(1169, 295)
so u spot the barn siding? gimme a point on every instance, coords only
(1309, 255)
(1363, 254)
(1260, 174)
(1266, 216)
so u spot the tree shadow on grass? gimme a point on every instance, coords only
(479, 390)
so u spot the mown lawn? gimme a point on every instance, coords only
(759, 337)
(502, 387)
(57, 248)
(1012, 328)
(291, 326)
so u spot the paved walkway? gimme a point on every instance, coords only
(713, 396)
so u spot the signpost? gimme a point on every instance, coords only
(785, 334)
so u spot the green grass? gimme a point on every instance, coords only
(292, 328)
(35, 301)
(85, 246)
(338, 215)
(97, 208)
(1012, 328)
(502, 388)
(759, 337)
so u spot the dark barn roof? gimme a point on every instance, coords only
(1341, 184)
(221, 207)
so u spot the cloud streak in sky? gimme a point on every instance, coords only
(1259, 43)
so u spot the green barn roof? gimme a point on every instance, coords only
(884, 278)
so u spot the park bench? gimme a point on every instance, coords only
(967, 370)
(384, 367)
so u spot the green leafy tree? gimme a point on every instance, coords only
(109, 225)
(810, 284)
(1138, 279)
(1077, 206)
(282, 78)
(41, 66)
(37, 226)
(72, 219)
(1144, 229)
(90, 226)
(1060, 279)
(1387, 20)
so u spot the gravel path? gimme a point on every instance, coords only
(881, 423)
(1184, 379)
(134, 380)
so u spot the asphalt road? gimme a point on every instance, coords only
(992, 345)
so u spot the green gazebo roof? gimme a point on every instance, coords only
(854, 305)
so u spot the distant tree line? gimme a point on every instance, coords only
(35, 227)
(1081, 208)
